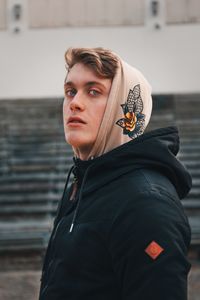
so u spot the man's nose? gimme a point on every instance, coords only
(77, 103)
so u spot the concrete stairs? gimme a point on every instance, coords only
(35, 161)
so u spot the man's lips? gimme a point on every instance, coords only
(75, 120)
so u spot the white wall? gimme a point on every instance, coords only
(32, 61)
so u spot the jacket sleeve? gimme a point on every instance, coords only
(148, 243)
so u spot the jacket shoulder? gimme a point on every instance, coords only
(151, 196)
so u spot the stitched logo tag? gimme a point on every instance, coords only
(154, 250)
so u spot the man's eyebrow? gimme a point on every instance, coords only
(89, 83)
(70, 83)
(94, 83)
(97, 83)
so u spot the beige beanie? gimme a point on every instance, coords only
(127, 112)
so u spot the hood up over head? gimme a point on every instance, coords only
(127, 112)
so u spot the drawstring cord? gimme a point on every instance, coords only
(55, 227)
(79, 199)
(66, 185)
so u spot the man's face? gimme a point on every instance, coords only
(85, 100)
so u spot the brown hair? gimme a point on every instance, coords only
(102, 61)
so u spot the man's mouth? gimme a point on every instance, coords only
(75, 120)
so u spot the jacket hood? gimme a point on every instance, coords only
(156, 150)
(127, 111)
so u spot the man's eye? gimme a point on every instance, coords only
(94, 92)
(70, 93)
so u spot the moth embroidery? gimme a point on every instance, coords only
(133, 121)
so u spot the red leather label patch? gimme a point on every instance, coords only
(154, 250)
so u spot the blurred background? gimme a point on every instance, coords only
(161, 38)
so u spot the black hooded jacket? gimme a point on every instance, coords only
(125, 235)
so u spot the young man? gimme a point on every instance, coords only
(120, 230)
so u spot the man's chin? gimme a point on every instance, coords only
(77, 142)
